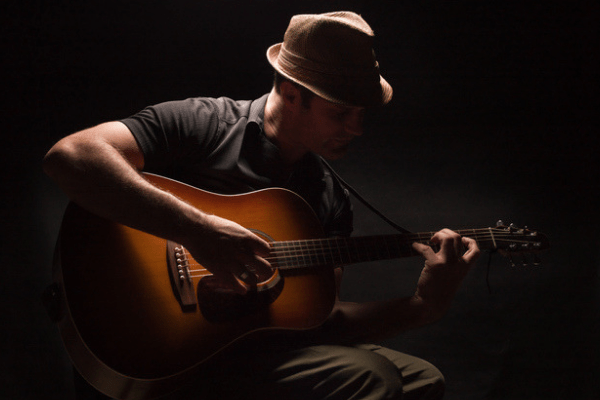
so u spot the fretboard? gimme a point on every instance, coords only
(343, 251)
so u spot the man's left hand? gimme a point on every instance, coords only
(444, 270)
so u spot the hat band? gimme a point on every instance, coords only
(293, 62)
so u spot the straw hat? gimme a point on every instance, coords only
(332, 55)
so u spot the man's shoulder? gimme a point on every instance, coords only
(227, 110)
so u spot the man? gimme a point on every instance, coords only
(326, 78)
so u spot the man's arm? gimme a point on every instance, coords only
(98, 168)
(440, 279)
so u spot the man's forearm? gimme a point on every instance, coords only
(439, 281)
(98, 177)
(373, 321)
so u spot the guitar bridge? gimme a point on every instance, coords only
(181, 279)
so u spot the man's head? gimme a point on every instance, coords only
(300, 121)
(332, 56)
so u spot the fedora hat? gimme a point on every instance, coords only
(332, 55)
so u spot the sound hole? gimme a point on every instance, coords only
(219, 303)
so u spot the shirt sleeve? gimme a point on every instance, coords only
(174, 132)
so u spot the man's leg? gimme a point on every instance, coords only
(332, 372)
(324, 372)
(327, 372)
(420, 379)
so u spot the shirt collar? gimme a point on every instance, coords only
(257, 110)
(309, 164)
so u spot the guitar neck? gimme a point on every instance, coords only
(343, 251)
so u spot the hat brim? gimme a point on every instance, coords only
(327, 93)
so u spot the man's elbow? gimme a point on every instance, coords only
(69, 158)
(61, 155)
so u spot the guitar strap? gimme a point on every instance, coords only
(362, 199)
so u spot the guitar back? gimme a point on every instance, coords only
(124, 327)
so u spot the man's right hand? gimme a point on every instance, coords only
(230, 252)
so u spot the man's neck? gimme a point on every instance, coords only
(279, 130)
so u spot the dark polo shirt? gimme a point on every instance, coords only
(219, 145)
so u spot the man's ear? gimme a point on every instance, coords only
(290, 94)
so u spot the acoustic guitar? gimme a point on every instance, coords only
(138, 315)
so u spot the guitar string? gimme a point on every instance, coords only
(302, 256)
(322, 243)
(324, 246)
(317, 243)
(486, 235)
(407, 239)
(303, 248)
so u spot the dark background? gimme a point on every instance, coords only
(492, 118)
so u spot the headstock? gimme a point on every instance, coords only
(511, 240)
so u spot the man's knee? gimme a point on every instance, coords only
(371, 375)
(426, 384)
(436, 384)
(420, 379)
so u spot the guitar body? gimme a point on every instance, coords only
(139, 316)
(123, 324)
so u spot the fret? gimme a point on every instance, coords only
(354, 253)
(328, 252)
(321, 253)
(345, 256)
(420, 238)
(375, 248)
(369, 249)
(338, 246)
(388, 240)
(293, 258)
(285, 259)
(382, 252)
(310, 255)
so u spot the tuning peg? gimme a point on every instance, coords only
(512, 262)
(537, 260)
(499, 223)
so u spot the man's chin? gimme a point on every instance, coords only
(335, 154)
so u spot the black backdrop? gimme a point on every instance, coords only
(492, 118)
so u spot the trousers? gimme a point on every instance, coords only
(319, 372)
(331, 372)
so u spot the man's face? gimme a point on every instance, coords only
(327, 129)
